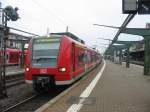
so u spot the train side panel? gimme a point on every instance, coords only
(79, 60)
(64, 61)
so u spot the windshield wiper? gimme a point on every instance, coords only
(43, 57)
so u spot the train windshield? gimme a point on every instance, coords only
(45, 52)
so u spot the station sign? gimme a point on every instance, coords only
(129, 6)
(136, 6)
(144, 7)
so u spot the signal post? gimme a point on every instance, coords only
(8, 13)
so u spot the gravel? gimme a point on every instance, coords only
(20, 92)
(15, 95)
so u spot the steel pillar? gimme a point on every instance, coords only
(2, 82)
(146, 34)
(128, 57)
(116, 57)
(3, 92)
(120, 56)
(147, 55)
(22, 58)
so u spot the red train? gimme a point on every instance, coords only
(12, 56)
(58, 60)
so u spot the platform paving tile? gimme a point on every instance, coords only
(119, 89)
(66, 101)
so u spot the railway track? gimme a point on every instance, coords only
(136, 62)
(20, 103)
(33, 102)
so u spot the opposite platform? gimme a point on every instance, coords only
(14, 70)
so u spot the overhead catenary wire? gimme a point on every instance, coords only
(49, 11)
(58, 18)
(24, 31)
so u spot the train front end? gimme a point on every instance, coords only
(42, 63)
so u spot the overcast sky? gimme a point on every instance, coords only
(80, 15)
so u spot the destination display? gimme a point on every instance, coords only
(47, 40)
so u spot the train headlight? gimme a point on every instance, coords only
(62, 69)
(27, 69)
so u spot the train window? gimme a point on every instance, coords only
(85, 58)
(80, 59)
(14, 56)
(11, 56)
(88, 57)
(44, 53)
(94, 57)
(26, 46)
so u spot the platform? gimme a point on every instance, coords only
(119, 89)
(13, 70)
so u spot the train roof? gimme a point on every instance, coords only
(59, 35)
(69, 35)
(73, 37)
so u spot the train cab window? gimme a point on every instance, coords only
(45, 52)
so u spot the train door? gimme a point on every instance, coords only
(75, 66)
(7, 57)
(85, 60)
(73, 57)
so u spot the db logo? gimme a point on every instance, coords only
(43, 71)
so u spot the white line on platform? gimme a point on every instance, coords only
(86, 92)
